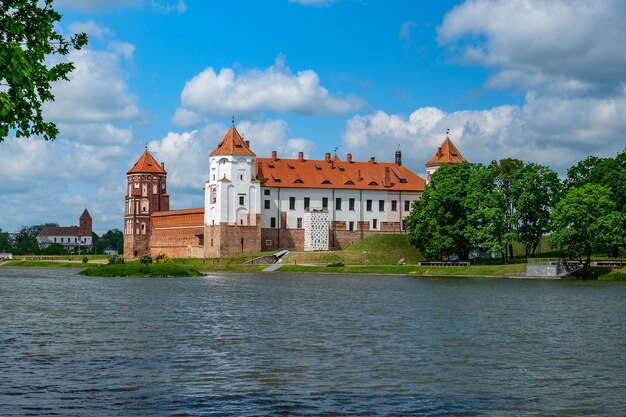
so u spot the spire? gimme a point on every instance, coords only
(146, 164)
(398, 156)
(232, 144)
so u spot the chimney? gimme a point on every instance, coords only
(163, 166)
(349, 158)
(300, 156)
(247, 144)
(373, 159)
(259, 172)
(327, 156)
(274, 156)
(387, 180)
(399, 157)
(358, 175)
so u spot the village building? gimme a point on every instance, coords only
(255, 204)
(70, 237)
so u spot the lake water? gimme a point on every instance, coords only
(281, 344)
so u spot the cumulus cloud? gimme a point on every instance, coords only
(573, 47)
(549, 131)
(405, 31)
(276, 88)
(186, 154)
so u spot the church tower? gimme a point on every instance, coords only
(447, 153)
(232, 199)
(85, 228)
(146, 193)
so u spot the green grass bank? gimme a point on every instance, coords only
(136, 269)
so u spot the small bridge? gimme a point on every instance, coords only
(267, 259)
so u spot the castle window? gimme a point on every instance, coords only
(351, 204)
(213, 195)
(407, 205)
(273, 222)
(266, 192)
(338, 203)
(61, 240)
(241, 177)
(291, 166)
(351, 226)
(394, 205)
(267, 204)
(307, 203)
(375, 224)
(268, 242)
(299, 222)
(373, 183)
(318, 167)
(154, 189)
(325, 202)
(368, 205)
(298, 181)
(242, 199)
(381, 205)
(292, 203)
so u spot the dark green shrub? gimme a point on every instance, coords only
(116, 259)
(85, 260)
(336, 264)
(146, 259)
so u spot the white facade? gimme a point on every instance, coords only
(353, 206)
(231, 192)
(316, 227)
(65, 240)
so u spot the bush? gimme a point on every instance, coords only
(146, 259)
(116, 260)
(85, 260)
(163, 259)
(336, 264)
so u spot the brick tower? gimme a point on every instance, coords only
(85, 228)
(146, 193)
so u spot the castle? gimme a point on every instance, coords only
(256, 204)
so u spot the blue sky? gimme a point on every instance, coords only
(537, 80)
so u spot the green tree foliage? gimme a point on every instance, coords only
(505, 171)
(438, 223)
(113, 238)
(5, 245)
(534, 191)
(27, 38)
(54, 249)
(26, 239)
(586, 221)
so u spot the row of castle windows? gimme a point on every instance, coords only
(338, 204)
(349, 224)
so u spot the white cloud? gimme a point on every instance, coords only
(314, 3)
(159, 6)
(91, 28)
(550, 131)
(186, 154)
(276, 88)
(405, 30)
(573, 47)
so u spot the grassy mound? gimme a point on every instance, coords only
(136, 269)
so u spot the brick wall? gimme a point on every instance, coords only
(229, 240)
(177, 234)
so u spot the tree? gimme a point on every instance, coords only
(534, 191)
(505, 171)
(438, 223)
(27, 38)
(586, 221)
(5, 245)
(54, 249)
(486, 209)
(26, 239)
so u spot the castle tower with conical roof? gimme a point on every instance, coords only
(146, 193)
(447, 153)
(232, 199)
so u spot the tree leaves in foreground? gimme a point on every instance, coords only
(586, 221)
(27, 38)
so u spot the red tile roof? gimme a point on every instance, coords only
(146, 164)
(178, 212)
(59, 231)
(446, 154)
(232, 144)
(334, 173)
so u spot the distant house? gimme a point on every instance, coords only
(111, 251)
(70, 237)
(5, 255)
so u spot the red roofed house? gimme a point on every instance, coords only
(264, 204)
(70, 237)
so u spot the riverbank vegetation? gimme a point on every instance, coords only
(138, 269)
(469, 206)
